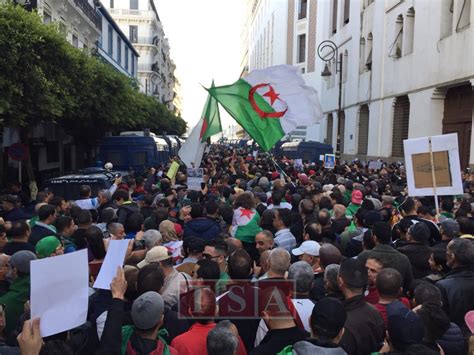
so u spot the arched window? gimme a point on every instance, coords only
(397, 45)
(362, 55)
(368, 52)
(401, 118)
(447, 9)
(363, 137)
(464, 18)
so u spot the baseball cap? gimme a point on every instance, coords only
(328, 317)
(309, 247)
(304, 179)
(404, 326)
(469, 319)
(357, 197)
(21, 260)
(154, 255)
(147, 310)
(47, 246)
(450, 227)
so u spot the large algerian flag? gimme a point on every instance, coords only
(270, 103)
(245, 224)
(210, 123)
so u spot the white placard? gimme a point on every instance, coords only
(195, 177)
(114, 258)
(321, 157)
(59, 292)
(439, 143)
(304, 307)
(298, 163)
(375, 165)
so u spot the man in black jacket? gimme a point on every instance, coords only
(364, 327)
(126, 207)
(44, 227)
(417, 250)
(457, 287)
(390, 257)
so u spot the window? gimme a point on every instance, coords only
(85, 48)
(133, 4)
(47, 18)
(363, 138)
(334, 16)
(119, 50)
(464, 18)
(447, 10)
(62, 26)
(345, 66)
(361, 55)
(75, 40)
(329, 129)
(397, 45)
(368, 51)
(347, 4)
(110, 40)
(302, 13)
(133, 34)
(401, 117)
(410, 31)
(111, 4)
(301, 48)
(126, 58)
(133, 65)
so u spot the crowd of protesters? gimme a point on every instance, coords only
(366, 268)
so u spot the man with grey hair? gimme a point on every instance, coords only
(457, 287)
(152, 238)
(107, 215)
(301, 274)
(223, 339)
(279, 262)
(330, 282)
(116, 230)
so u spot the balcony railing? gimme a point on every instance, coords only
(133, 13)
(90, 12)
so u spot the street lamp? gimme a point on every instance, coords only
(327, 51)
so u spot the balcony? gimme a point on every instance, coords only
(128, 13)
(89, 12)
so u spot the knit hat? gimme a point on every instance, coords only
(47, 246)
(404, 327)
(450, 227)
(328, 317)
(147, 310)
(21, 261)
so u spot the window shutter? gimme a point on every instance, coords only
(401, 116)
(329, 129)
(363, 139)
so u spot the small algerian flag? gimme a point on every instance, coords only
(245, 224)
(270, 103)
(210, 123)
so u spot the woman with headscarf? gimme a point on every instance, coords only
(171, 238)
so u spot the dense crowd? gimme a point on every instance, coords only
(267, 257)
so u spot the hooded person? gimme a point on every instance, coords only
(49, 246)
(200, 226)
(145, 335)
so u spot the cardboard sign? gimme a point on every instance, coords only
(447, 168)
(173, 170)
(375, 165)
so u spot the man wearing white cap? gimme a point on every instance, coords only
(308, 251)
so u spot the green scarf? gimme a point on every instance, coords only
(127, 332)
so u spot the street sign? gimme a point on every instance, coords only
(18, 151)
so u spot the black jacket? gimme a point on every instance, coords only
(435, 236)
(203, 227)
(275, 340)
(419, 254)
(38, 233)
(364, 327)
(452, 341)
(391, 258)
(457, 292)
(125, 211)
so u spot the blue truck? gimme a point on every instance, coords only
(136, 150)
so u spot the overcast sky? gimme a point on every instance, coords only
(205, 41)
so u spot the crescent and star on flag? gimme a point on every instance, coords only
(273, 97)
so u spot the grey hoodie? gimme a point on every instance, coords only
(307, 348)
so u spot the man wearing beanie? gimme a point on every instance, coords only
(327, 327)
(19, 292)
(417, 250)
(49, 246)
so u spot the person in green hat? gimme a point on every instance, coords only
(49, 246)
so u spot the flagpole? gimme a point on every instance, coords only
(281, 170)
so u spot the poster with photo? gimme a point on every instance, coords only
(195, 177)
